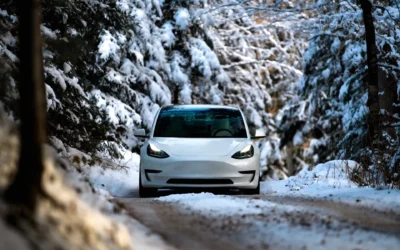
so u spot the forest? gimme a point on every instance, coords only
(321, 78)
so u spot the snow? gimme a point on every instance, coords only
(114, 76)
(8, 39)
(326, 73)
(286, 236)
(326, 181)
(73, 82)
(118, 183)
(218, 205)
(48, 54)
(215, 95)
(331, 174)
(178, 75)
(48, 32)
(10, 238)
(335, 45)
(331, 181)
(3, 13)
(123, 5)
(158, 94)
(182, 18)
(143, 237)
(105, 184)
(228, 210)
(147, 114)
(57, 76)
(97, 186)
(207, 58)
(117, 111)
(58, 145)
(9, 54)
(167, 35)
(67, 67)
(108, 46)
(129, 68)
(344, 90)
(353, 115)
(52, 101)
(352, 54)
(72, 32)
(119, 114)
(255, 118)
(250, 229)
(298, 138)
(185, 94)
(259, 221)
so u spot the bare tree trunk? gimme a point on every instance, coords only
(176, 94)
(374, 123)
(27, 184)
(289, 159)
(373, 96)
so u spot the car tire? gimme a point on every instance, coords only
(255, 191)
(146, 192)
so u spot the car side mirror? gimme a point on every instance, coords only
(140, 133)
(259, 135)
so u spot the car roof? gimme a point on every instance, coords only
(198, 106)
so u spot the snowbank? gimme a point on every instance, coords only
(332, 174)
(80, 213)
(331, 181)
(106, 174)
(118, 183)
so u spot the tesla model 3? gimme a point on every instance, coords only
(198, 146)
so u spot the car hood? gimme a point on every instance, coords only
(200, 146)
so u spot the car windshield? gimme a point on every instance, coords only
(199, 122)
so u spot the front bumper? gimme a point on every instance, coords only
(199, 172)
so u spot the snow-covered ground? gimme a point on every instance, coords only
(117, 178)
(331, 181)
(268, 221)
(122, 183)
(287, 223)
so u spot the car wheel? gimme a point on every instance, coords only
(146, 192)
(253, 191)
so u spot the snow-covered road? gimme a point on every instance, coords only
(316, 209)
(208, 221)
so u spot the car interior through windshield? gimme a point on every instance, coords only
(200, 123)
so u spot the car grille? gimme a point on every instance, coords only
(200, 181)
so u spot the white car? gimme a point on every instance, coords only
(199, 146)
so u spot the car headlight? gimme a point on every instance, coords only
(245, 153)
(153, 151)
